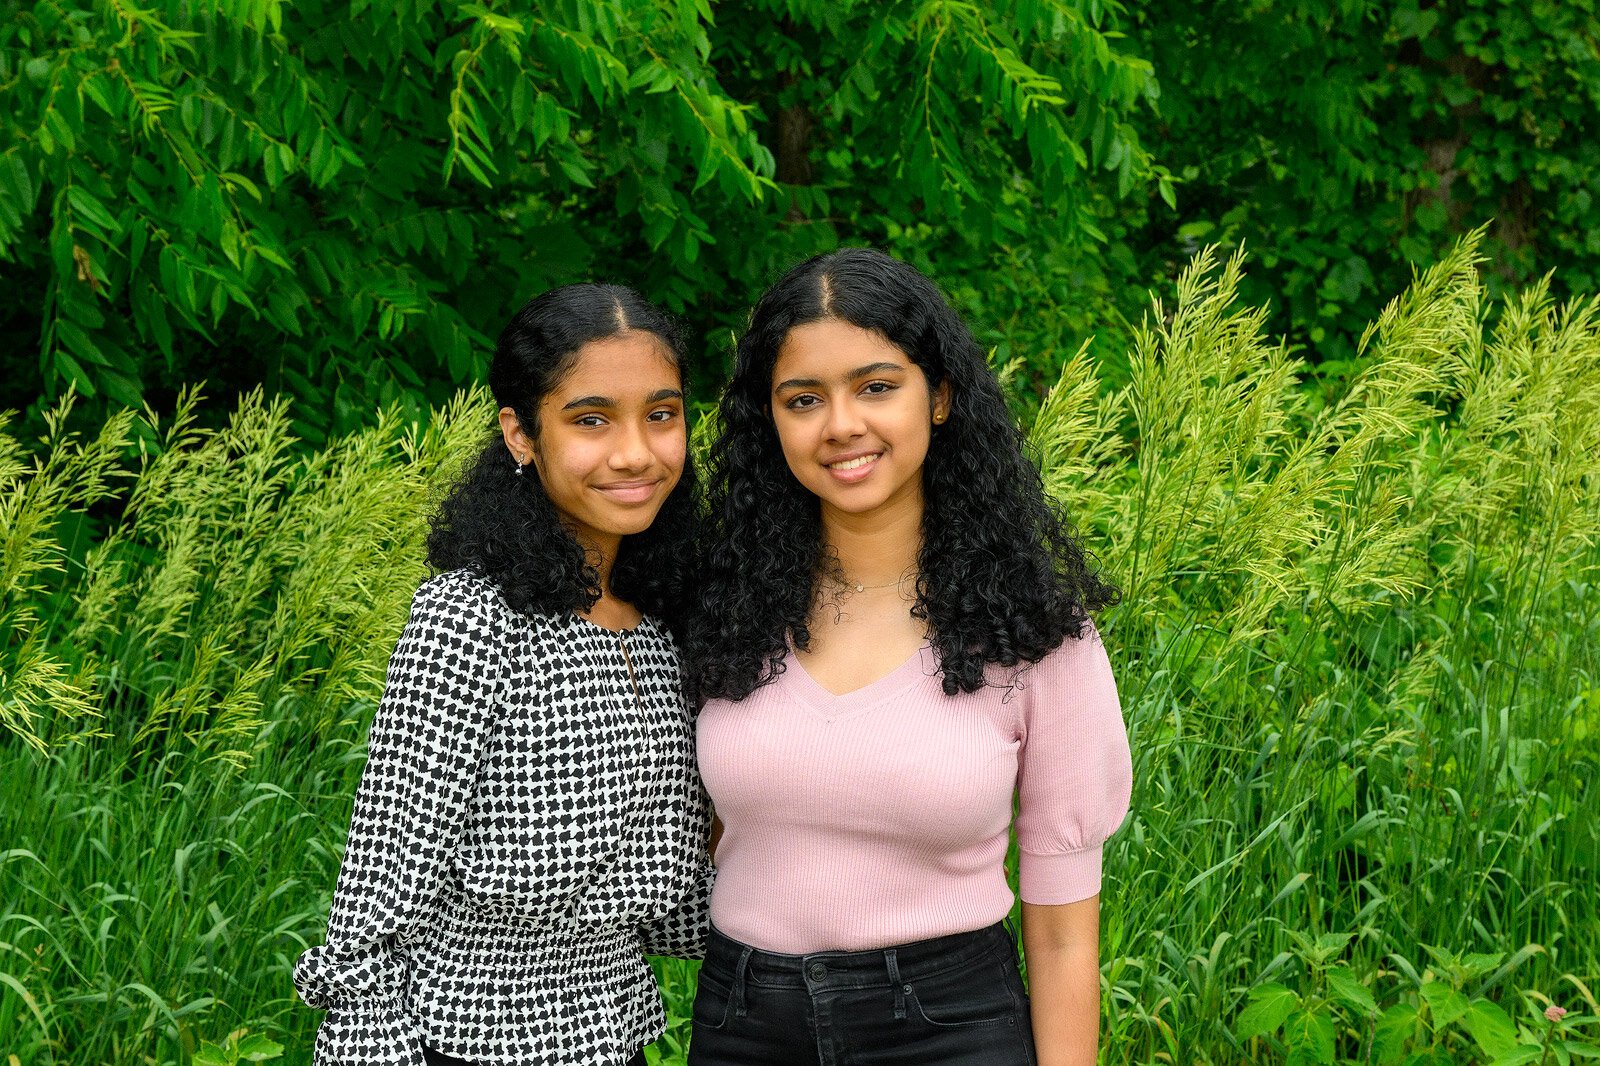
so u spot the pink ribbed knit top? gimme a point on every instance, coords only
(881, 816)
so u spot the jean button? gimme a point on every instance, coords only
(817, 971)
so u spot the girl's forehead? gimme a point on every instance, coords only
(625, 362)
(831, 344)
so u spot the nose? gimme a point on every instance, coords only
(844, 421)
(632, 451)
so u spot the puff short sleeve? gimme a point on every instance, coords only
(1075, 774)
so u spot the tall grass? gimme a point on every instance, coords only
(1358, 651)
(1359, 647)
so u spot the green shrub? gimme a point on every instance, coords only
(339, 199)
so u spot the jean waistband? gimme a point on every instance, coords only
(857, 969)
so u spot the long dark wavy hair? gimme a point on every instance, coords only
(1001, 578)
(504, 527)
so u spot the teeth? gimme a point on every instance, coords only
(852, 464)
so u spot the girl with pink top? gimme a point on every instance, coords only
(895, 651)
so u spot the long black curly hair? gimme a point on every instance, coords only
(504, 527)
(1001, 578)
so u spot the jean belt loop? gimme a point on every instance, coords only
(900, 989)
(1011, 931)
(739, 975)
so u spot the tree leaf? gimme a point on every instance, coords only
(68, 368)
(1524, 1054)
(17, 171)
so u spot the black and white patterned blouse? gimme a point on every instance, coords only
(528, 825)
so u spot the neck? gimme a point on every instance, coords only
(601, 551)
(879, 546)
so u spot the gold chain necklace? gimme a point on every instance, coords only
(856, 586)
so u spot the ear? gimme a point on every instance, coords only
(941, 402)
(517, 442)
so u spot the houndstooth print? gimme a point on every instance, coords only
(527, 827)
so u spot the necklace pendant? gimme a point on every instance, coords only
(861, 588)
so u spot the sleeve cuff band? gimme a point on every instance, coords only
(1059, 877)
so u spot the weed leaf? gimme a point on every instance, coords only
(1269, 1006)
(1350, 991)
(1491, 1028)
(1445, 1002)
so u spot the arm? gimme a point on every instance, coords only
(681, 933)
(423, 751)
(1074, 782)
(1062, 946)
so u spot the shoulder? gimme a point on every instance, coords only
(460, 599)
(1069, 663)
(1070, 682)
(1086, 651)
(655, 630)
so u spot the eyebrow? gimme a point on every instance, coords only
(859, 372)
(606, 401)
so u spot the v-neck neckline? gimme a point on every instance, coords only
(920, 666)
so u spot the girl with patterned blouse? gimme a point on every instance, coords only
(895, 650)
(529, 823)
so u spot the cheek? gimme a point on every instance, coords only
(570, 461)
(797, 444)
(671, 451)
(915, 432)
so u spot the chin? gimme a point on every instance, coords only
(853, 503)
(627, 527)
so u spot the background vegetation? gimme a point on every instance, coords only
(342, 199)
(1359, 658)
(1361, 642)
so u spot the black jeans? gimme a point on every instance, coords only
(951, 1001)
(439, 1058)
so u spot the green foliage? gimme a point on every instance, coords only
(252, 1047)
(1440, 1016)
(1339, 139)
(1359, 654)
(243, 578)
(34, 497)
(341, 199)
(338, 199)
(1356, 633)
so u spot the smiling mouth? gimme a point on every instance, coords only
(854, 464)
(630, 491)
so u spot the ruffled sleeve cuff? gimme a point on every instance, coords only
(1060, 877)
(368, 1038)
